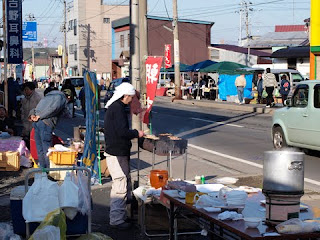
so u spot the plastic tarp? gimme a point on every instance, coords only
(227, 86)
(56, 218)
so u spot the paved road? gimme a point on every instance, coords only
(230, 138)
(220, 141)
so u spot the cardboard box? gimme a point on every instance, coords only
(104, 168)
(9, 161)
(58, 175)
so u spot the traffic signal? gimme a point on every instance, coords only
(1, 45)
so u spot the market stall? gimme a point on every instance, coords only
(198, 89)
(228, 72)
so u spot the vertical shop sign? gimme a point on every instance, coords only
(14, 31)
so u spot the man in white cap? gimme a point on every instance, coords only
(118, 138)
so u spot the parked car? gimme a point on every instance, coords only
(77, 82)
(114, 83)
(297, 124)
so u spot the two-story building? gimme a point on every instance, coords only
(194, 37)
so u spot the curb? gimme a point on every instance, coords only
(218, 105)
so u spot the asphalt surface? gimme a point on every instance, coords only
(226, 134)
(223, 141)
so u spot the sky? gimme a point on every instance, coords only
(264, 16)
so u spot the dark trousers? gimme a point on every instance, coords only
(43, 138)
(270, 100)
(284, 97)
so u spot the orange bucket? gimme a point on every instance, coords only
(158, 178)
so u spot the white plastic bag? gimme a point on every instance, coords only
(6, 232)
(84, 195)
(69, 197)
(42, 198)
(48, 233)
(207, 201)
(295, 225)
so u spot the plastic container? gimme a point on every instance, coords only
(58, 175)
(252, 222)
(63, 158)
(158, 178)
(9, 161)
(19, 226)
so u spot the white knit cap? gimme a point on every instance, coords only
(123, 89)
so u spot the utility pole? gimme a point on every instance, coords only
(248, 37)
(88, 47)
(5, 60)
(135, 54)
(240, 27)
(64, 56)
(143, 33)
(176, 51)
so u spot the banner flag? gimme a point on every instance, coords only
(153, 65)
(167, 55)
(89, 157)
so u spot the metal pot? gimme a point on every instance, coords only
(283, 172)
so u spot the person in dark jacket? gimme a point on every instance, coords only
(68, 85)
(50, 88)
(284, 88)
(6, 124)
(44, 120)
(118, 138)
(259, 87)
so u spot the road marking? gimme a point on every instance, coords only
(222, 123)
(81, 115)
(308, 180)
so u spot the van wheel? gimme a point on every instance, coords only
(279, 140)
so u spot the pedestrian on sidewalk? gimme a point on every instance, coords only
(69, 86)
(259, 87)
(284, 88)
(118, 138)
(269, 84)
(50, 88)
(29, 102)
(44, 120)
(240, 84)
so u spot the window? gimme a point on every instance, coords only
(128, 39)
(75, 27)
(106, 20)
(317, 96)
(300, 97)
(122, 41)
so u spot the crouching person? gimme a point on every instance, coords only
(118, 138)
(45, 117)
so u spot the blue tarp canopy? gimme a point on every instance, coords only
(200, 65)
(227, 86)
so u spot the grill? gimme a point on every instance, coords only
(164, 145)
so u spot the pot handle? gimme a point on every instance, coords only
(296, 165)
(160, 178)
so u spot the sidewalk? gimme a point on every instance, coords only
(258, 108)
(157, 216)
